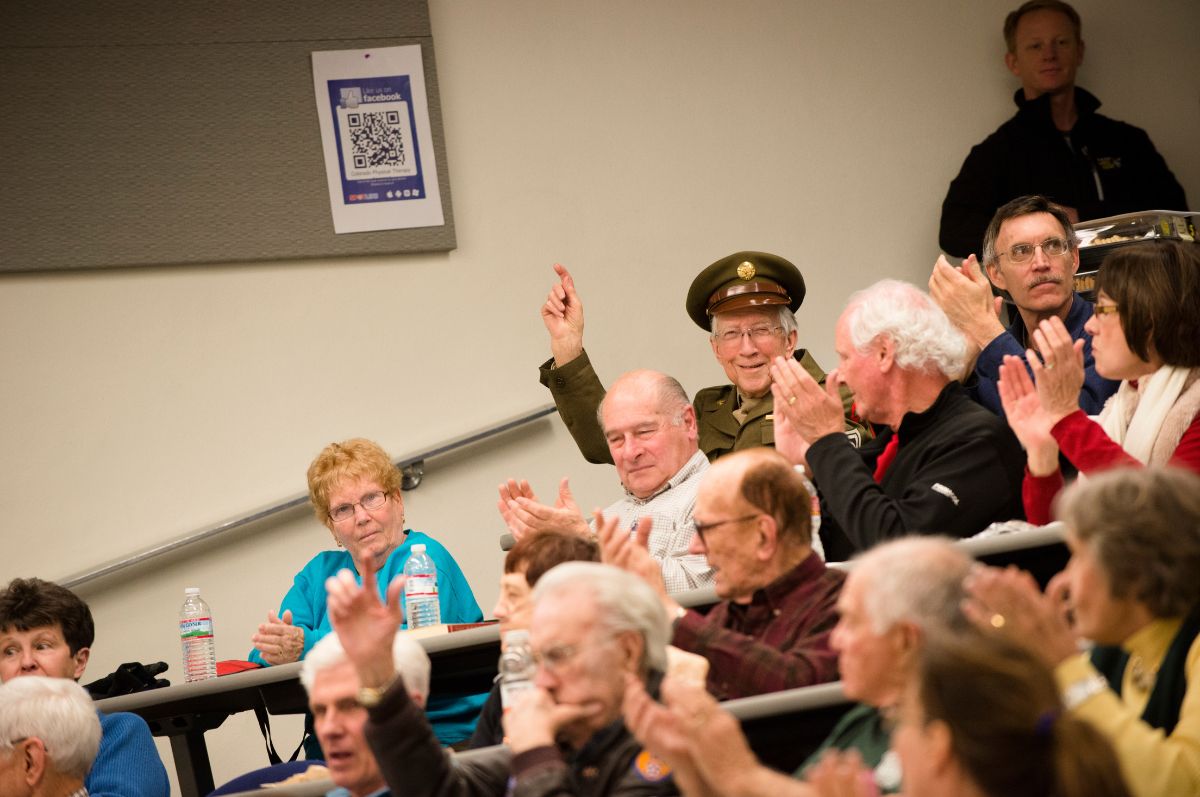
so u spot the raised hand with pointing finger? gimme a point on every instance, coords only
(365, 625)
(562, 313)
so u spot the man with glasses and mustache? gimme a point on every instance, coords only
(771, 630)
(746, 301)
(1029, 251)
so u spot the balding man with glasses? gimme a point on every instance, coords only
(771, 630)
(1029, 251)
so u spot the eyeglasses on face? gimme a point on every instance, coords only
(555, 657)
(1051, 247)
(758, 333)
(704, 528)
(370, 501)
(1104, 309)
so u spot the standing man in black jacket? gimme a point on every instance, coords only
(1056, 145)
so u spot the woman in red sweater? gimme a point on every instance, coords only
(1145, 332)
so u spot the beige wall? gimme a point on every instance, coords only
(634, 142)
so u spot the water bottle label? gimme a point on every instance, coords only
(196, 628)
(511, 691)
(420, 585)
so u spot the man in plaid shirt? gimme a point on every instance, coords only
(772, 628)
(650, 426)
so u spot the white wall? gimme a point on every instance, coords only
(633, 141)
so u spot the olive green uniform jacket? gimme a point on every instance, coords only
(577, 393)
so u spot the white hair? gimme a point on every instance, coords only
(915, 579)
(59, 712)
(409, 658)
(624, 602)
(787, 320)
(924, 337)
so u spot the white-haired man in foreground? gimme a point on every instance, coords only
(593, 627)
(940, 463)
(336, 699)
(49, 735)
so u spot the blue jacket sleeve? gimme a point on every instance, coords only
(127, 764)
(987, 370)
(1096, 389)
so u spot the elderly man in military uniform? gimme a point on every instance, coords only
(746, 302)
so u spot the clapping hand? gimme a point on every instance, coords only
(630, 552)
(1027, 416)
(1059, 373)
(1008, 602)
(812, 411)
(278, 640)
(965, 296)
(524, 514)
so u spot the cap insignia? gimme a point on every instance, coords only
(745, 270)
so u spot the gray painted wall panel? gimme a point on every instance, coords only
(144, 135)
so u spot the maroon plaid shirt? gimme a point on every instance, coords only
(780, 640)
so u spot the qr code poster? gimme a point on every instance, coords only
(378, 147)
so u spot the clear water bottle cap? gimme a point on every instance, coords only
(419, 548)
(192, 591)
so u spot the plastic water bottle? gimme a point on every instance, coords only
(517, 667)
(196, 634)
(420, 589)
(814, 508)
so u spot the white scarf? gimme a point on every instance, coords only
(1134, 417)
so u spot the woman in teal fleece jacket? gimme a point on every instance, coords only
(355, 492)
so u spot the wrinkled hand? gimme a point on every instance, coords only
(1027, 417)
(524, 514)
(631, 552)
(789, 442)
(717, 744)
(534, 719)
(562, 313)
(812, 411)
(365, 626)
(278, 640)
(1008, 602)
(965, 296)
(1059, 373)
(666, 735)
(842, 774)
